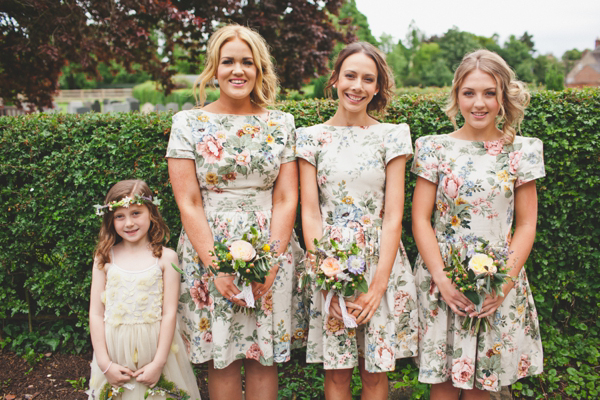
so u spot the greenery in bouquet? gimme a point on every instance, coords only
(477, 273)
(340, 268)
(167, 388)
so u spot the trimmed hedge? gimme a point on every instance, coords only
(55, 167)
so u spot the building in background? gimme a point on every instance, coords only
(587, 70)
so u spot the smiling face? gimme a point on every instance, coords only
(478, 102)
(357, 83)
(236, 72)
(132, 223)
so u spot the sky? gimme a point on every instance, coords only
(556, 25)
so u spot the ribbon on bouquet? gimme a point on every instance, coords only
(246, 295)
(349, 322)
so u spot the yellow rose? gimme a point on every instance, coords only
(481, 263)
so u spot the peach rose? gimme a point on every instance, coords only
(200, 295)
(451, 184)
(335, 233)
(462, 370)
(207, 337)
(331, 267)
(489, 382)
(210, 148)
(385, 357)
(241, 250)
(514, 159)
(400, 300)
(254, 352)
(243, 158)
(524, 364)
(494, 148)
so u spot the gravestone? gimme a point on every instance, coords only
(82, 110)
(173, 106)
(160, 107)
(134, 104)
(105, 101)
(121, 107)
(96, 107)
(187, 106)
(147, 108)
(73, 105)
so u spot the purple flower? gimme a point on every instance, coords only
(356, 265)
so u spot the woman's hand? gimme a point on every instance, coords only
(225, 286)
(491, 303)
(260, 289)
(457, 301)
(368, 303)
(336, 311)
(149, 374)
(118, 375)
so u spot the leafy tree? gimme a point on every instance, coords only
(455, 44)
(517, 54)
(396, 57)
(429, 68)
(528, 40)
(570, 57)
(359, 21)
(40, 37)
(555, 78)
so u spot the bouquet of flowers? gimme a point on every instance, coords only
(476, 274)
(249, 259)
(339, 270)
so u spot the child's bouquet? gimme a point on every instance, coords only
(249, 258)
(476, 274)
(339, 270)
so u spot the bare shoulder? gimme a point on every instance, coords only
(169, 255)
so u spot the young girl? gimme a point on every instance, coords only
(477, 179)
(351, 169)
(133, 303)
(232, 167)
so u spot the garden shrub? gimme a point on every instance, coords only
(55, 167)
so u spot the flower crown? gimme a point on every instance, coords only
(126, 202)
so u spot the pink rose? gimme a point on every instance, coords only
(462, 370)
(524, 364)
(210, 148)
(254, 352)
(489, 383)
(494, 148)
(385, 357)
(200, 295)
(451, 185)
(515, 158)
(321, 180)
(261, 218)
(359, 236)
(400, 300)
(331, 267)
(335, 233)
(243, 158)
(241, 250)
(325, 138)
(445, 168)
(207, 337)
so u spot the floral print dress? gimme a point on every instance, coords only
(237, 161)
(475, 198)
(351, 163)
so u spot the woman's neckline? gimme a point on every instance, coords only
(353, 126)
(262, 116)
(472, 141)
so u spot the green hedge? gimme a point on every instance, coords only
(54, 168)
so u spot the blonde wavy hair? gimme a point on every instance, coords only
(265, 87)
(158, 234)
(512, 95)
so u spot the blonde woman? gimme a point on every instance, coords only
(477, 181)
(232, 166)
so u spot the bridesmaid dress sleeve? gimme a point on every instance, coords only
(528, 162)
(306, 146)
(425, 163)
(181, 142)
(397, 143)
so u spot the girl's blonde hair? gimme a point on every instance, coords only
(265, 87)
(158, 234)
(385, 78)
(512, 95)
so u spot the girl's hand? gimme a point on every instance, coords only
(149, 374)
(260, 289)
(118, 375)
(491, 303)
(457, 301)
(336, 311)
(368, 302)
(225, 286)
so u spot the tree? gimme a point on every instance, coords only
(39, 37)
(570, 57)
(455, 44)
(517, 55)
(527, 39)
(359, 21)
(395, 56)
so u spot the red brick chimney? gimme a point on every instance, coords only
(597, 43)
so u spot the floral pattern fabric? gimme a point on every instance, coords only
(237, 161)
(476, 182)
(351, 163)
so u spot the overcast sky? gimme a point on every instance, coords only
(556, 25)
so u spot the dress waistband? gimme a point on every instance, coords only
(232, 201)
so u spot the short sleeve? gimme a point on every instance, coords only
(181, 143)
(289, 152)
(529, 161)
(306, 146)
(397, 143)
(425, 163)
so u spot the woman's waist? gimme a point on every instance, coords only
(237, 200)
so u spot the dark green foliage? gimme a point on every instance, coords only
(54, 168)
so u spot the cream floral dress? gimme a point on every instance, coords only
(351, 163)
(132, 317)
(475, 198)
(237, 161)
